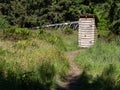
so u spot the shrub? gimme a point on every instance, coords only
(68, 31)
(3, 23)
(41, 31)
(16, 33)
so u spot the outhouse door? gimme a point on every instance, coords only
(86, 32)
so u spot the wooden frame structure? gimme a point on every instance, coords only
(87, 30)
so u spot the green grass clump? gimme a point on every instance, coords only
(15, 33)
(68, 31)
(30, 64)
(55, 40)
(3, 23)
(102, 62)
(69, 41)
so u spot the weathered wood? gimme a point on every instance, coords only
(87, 32)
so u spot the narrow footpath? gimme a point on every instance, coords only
(74, 72)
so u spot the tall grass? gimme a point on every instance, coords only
(53, 39)
(69, 40)
(30, 64)
(103, 61)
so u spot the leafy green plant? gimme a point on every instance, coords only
(25, 65)
(3, 23)
(53, 39)
(16, 33)
(68, 31)
(41, 31)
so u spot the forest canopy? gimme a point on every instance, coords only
(31, 13)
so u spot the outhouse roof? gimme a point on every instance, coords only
(90, 16)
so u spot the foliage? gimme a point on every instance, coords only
(41, 31)
(16, 33)
(3, 23)
(29, 13)
(53, 39)
(68, 31)
(102, 62)
(25, 65)
(69, 41)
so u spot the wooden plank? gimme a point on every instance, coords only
(91, 36)
(86, 26)
(84, 46)
(86, 43)
(82, 38)
(86, 35)
(91, 33)
(86, 19)
(89, 41)
(81, 43)
(86, 23)
(86, 40)
(86, 30)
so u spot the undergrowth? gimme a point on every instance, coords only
(102, 63)
(31, 61)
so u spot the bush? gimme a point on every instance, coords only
(41, 31)
(3, 23)
(68, 31)
(16, 33)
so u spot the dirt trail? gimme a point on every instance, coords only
(74, 71)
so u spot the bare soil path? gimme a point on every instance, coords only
(74, 72)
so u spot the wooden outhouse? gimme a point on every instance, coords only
(87, 30)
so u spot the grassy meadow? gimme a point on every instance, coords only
(101, 65)
(35, 60)
(32, 62)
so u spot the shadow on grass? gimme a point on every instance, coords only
(84, 82)
(12, 83)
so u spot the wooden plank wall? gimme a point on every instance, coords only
(86, 32)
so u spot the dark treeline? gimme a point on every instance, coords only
(31, 13)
